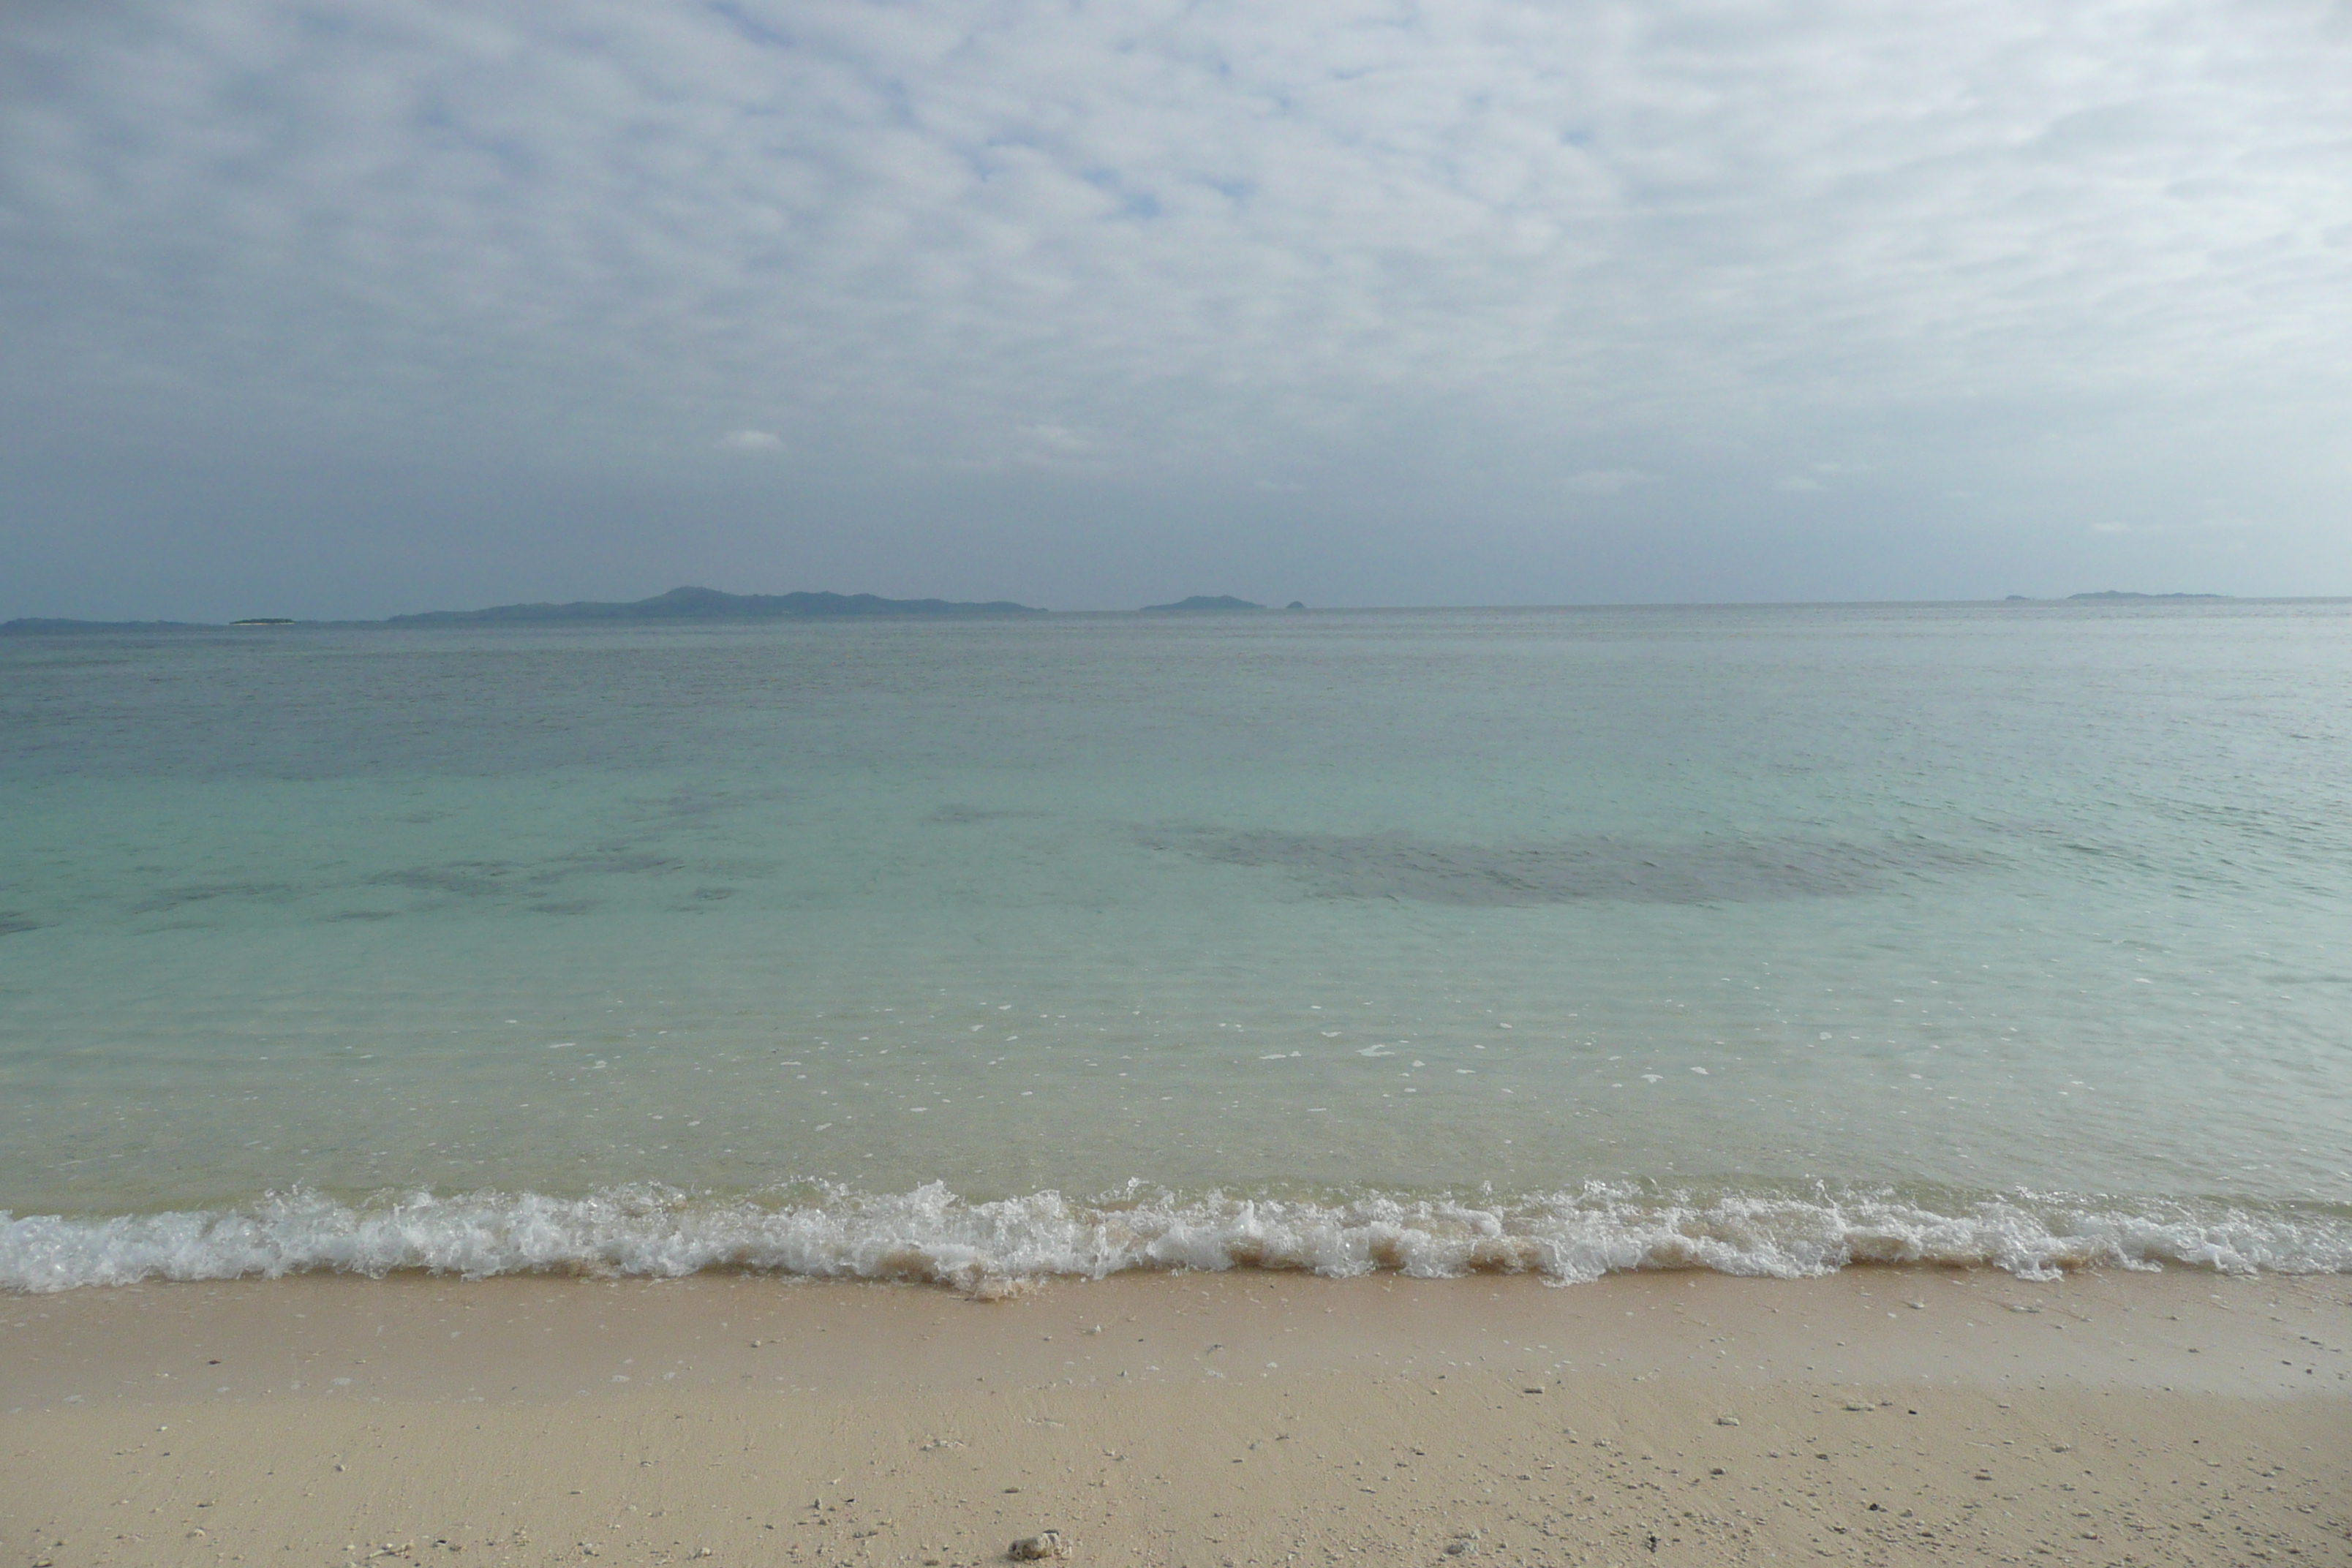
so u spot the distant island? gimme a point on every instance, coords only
(2117, 594)
(36, 624)
(677, 604)
(711, 604)
(1205, 601)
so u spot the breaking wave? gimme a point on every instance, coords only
(932, 1234)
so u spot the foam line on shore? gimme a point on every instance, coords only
(931, 1233)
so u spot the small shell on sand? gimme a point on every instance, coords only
(989, 1287)
(1035, 1548)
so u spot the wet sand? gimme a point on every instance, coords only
(1879, 1415)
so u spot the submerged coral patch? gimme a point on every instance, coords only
(1704, 871)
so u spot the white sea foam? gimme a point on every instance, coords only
(931, 1233)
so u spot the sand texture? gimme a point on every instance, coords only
(1877, 1416)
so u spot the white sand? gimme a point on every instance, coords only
(1195, 1420)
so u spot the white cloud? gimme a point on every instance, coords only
(1312, 207)
(752, 441)
(1210, 237)
(1605, 482)
(1055, 448)
(1799, 484)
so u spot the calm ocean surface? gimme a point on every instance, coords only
(1765, 940)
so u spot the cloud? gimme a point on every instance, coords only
(2223, 525)
(1337, 204)
(1057, 448)
(1799, 484)
(1397, 243)
(1605, 482)
(752, 441)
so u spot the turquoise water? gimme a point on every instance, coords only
(1760, 938)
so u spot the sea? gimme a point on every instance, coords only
(1769, 940)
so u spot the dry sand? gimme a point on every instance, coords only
(1876, 1416)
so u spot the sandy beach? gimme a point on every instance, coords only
(1873, 1416)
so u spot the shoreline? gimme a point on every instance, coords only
(930, 1233)
(1195, 1419)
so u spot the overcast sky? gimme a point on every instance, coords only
(356, 308)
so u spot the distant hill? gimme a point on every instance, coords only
(2115, 594)
(33, 624)
(1206, 602)
(711, 604)
(677, 604)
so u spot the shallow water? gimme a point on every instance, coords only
(1759, 939)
